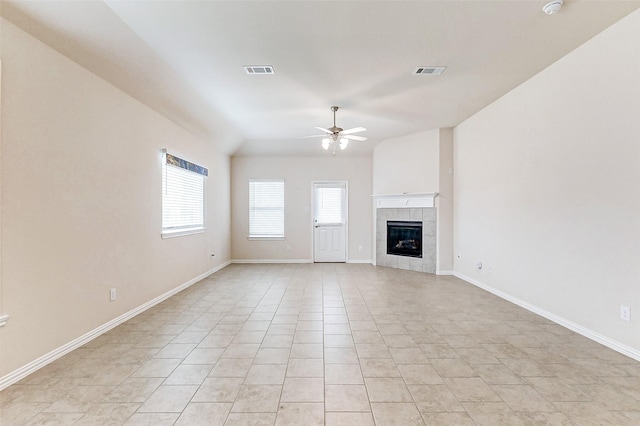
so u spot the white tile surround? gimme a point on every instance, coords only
(425, 215)
(407, 207)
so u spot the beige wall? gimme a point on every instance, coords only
(1, 305)
(547, 184)
(407, 164)
(444, 203)
(81, 202)
(298, 174)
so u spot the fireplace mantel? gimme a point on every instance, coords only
(405, 200)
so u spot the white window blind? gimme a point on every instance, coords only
(182, 196)
(329, 208)
(266, 208)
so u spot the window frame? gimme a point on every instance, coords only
(182, 166)
(251, 209)
(341, 188)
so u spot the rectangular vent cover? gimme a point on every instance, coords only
(259, 69)
(430, 70)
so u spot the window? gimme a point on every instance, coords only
(266, 208)
(182, 196)
(328, 204)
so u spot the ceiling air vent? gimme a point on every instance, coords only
(430, 70)
(259, 69)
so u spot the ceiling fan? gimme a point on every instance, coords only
(336, 136)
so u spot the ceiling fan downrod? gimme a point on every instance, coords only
(335, 129)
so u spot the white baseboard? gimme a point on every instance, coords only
(240, 261)
(590, 334)
(271, 261)
(44, 360)
(444, 272)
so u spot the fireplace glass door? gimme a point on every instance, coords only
(404, 238)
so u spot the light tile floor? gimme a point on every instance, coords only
(332, 344)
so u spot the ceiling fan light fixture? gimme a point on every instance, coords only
(335, 136)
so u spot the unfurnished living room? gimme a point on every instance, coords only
(320, 212)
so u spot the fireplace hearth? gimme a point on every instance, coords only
(404, 238)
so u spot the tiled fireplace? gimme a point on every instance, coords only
(412, 231)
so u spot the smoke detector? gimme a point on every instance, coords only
(552, 7)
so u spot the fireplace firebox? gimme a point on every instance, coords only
(404, 238)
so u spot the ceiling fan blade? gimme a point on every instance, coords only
(314, 136)
(327, 131)
(355, 138)
(354, 130)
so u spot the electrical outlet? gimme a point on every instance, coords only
(288, 248)
(625, 313)
(113, 294)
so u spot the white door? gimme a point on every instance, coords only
(329, 221)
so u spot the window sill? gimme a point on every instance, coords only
(182, 232)
(251, 238)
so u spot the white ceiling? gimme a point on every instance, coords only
(185, 58)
